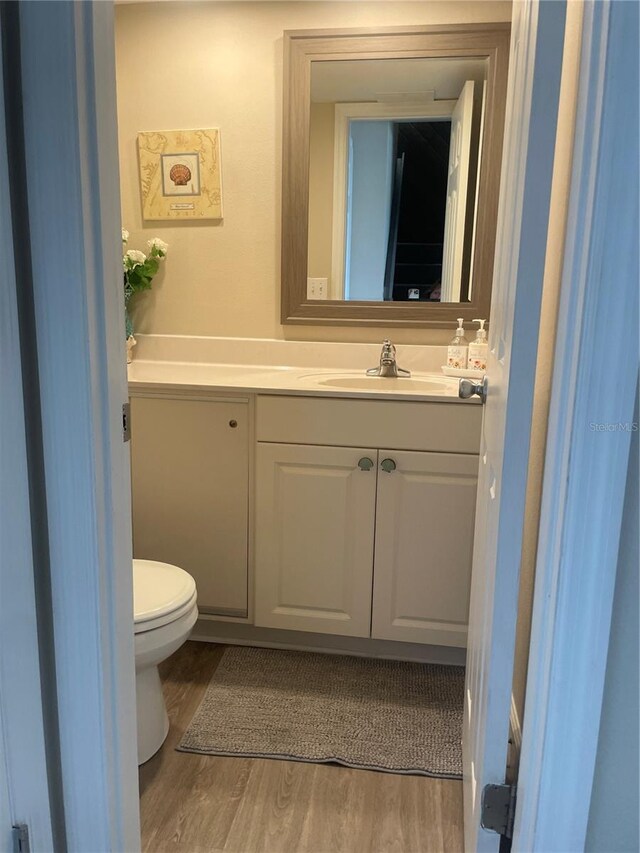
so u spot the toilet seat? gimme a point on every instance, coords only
(162, 593)
(167, 618)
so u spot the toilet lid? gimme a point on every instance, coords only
(159, 589)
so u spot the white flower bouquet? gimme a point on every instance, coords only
(139, 271)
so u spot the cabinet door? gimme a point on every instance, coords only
(189, 472)
(315, 513)
(424, 543)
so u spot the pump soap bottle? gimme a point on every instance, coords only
(458, 348)
(479, 349)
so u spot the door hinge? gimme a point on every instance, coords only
(126, 421)
(20, 832)
(498, 808)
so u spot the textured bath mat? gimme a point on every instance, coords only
(376, 714)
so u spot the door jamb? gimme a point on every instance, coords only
(24, 781)
(595, 372)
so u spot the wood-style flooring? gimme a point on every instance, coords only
(195, 803)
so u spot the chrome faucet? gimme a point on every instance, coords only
(388, 365)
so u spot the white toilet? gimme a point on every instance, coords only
(165, 611)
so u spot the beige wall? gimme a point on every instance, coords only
(546, 339)
(321, 144)
(210, 64)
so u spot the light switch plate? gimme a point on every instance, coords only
(317, 288)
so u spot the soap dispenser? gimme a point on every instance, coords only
(479, 349)
(457, 349)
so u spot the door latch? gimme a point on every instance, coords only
(126, 422)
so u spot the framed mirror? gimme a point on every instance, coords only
(392, 144)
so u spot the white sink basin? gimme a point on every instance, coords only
(394, 385)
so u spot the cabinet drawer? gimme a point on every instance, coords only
(444, 427)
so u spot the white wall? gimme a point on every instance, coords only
(613, 818)
(219, 64)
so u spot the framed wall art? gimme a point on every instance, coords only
(180, 174)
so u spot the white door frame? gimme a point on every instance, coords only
(594, 382)
(71, 146)
(24, 794)
(535, 69)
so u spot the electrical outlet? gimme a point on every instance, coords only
(317, 288)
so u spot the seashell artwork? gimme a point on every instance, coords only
(180, 174)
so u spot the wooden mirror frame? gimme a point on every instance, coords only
(301, 48)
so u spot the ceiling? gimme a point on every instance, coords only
(393, 79)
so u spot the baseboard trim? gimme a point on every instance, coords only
(209, 631)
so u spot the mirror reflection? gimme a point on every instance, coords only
(393, 166)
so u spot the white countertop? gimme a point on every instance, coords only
(302, 381)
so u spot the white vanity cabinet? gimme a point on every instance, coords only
(378, 550)
(190, 492)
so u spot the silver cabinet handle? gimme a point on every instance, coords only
(468, 388)
(365, 464)
(388, 465)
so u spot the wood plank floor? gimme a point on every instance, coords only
(195, 803)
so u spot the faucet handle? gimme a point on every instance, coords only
(388, 347)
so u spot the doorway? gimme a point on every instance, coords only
(105, 669)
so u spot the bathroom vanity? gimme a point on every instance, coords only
(311, 507)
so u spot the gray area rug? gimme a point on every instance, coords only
(376, 714)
